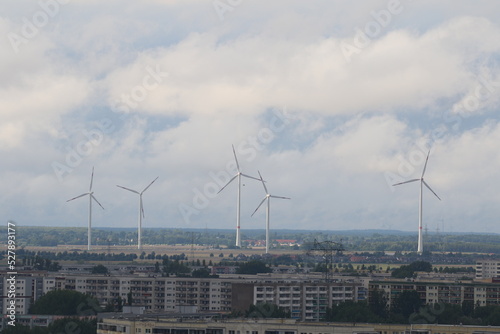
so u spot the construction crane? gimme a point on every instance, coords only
(328, 249)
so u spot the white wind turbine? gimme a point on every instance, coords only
(90, 193)
(420, 248)
(268, 198)
(238, 175)
(141, 211)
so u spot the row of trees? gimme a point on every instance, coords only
(410, 270)
(30, 257)
(41, 263)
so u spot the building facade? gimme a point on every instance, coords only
(27, 289)
(487, 269)
(440, 291)
(304, 299)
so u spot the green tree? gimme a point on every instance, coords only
(451, 314)
(253, 267)
(409, 270)
(406, 303)
(114, 305)
(468, 307)
(488, 315)
(267, 310)
(100, 269)
(421, 266)
(351, 312)
(130, 300)
(65, 302)
(175, 267)
(378, 303)
(201, 273)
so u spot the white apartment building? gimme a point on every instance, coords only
(487, 269)
(26, 290)
(304, 299)
(441, 291)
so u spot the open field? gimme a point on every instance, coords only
(202, 253)
(196, 252)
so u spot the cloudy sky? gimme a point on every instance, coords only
(332, 101)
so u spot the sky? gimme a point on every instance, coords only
(332, 101)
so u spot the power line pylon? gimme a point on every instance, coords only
(328, 249)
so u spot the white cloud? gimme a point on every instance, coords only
(215, 84)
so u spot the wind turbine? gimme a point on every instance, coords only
(141, 210)
(422, 183)
(90, 193)
(238, 204)
(268, 199)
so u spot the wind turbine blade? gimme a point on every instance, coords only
(235, 158)
(279, 197)
(142, 208)
(95, 199)
(413, 180)
(227, 183)
(425, 165)
(150, 184)
(428, 187)
(259, 206)
(250, 177)
(134, 191)
(77, 197)
(91, 179)
(262, 180)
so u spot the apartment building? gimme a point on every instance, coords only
(304, 298)
(441, 291)
(155, 293)
(487, 269)
(26, 289)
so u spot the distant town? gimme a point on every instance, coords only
(312, 277)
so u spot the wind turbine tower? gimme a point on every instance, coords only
(420, 248)
(141, 211)
(90, 193)
(238, 175)
(268, 209)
